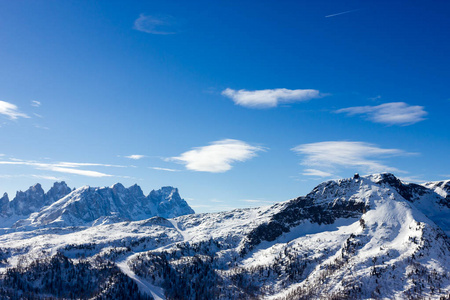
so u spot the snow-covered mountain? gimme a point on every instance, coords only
(87, 206)
(30, 201)
(365, 237)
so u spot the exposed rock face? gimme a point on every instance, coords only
(4, 204)
(29, 201)
(56, 192)
(169, 203)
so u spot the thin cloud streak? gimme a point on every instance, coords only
(164, 169)
(87, 173)
(270, 97)
(135, 156)
(393, 113)
(257, 201)
(62, 167)
(74, 165)
(35, 103)
(11, 111)
(45, 177)
(217, 157)
(318, 173)
(160, 25)
(342, 13)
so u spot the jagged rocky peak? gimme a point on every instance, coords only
(169, 202)
(136, 190)
(133, 191)
(29, 201)
(118, 187)
(165, 193)
(4, 199)
(4, 204)
(57, 191)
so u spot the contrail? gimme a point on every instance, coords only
(341, 13)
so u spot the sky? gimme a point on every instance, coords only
(236, 103)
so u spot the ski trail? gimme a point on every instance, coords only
(156, 292)
(183, 233)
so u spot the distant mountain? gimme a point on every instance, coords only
(30, 201)
(365, 237)
(88, 206)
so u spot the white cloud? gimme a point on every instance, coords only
(269, 98)
(61, 167)
(394, 113)
(162, 25)
(10, 110)
(414, 179)
(359, 156)
(257, 201)
(342, 13)
(314, 172)
(216, 201)
(217, 157)
(53, 178)
(135, 156)
(35, 103)
(87, 173)
(251, 200)
(75, 165)
(41, 127)
(164, 169)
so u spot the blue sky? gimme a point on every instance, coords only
(236, 103)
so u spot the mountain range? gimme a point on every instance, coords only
(61, 206)
(364, 237)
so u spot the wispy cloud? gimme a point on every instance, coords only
(375, 98)
(257, 201)
(135, 156)
(162, 24)
(75, 165)
(35, 103)
(270, 97)
(218, 156)
(216, 201)
(87, 173)
(415, 179)
(11, 111)
(342, 13)
(164, 169)
(394, 113)
(318, 173)
(46, 177)
(41, 127)
(61, 167)
(333, 155)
